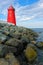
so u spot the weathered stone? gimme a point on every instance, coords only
(14, 46)
(33, 42)
(3, 62)
(3, 50)
(2, 37)
(24, 41)
(16, 35)
(13, 42)
(40, 45)
(12, 49)
(30, 53)
(12, 59)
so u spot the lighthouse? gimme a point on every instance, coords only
(11, 15)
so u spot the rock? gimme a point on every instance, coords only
(17, 44)
(40, 63)
(33, 42)
(24, 41)
(3, 50)
(0, 41)
(12, 59)
(6, 33)
(12, 42)
(39, 45)
(22, 59)
(16, 35)
(30, 53)
(12, 49)
(2, 37)
(3, 62)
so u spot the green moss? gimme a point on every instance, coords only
(30, 53)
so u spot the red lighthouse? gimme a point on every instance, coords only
(11, 15)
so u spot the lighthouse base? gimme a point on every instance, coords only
(11, 23)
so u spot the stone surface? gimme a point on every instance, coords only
(40, 45)
(3, 62)
(3, 50)
(18, 46)
(12, 59)
(30, 53)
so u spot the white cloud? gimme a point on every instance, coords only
(24, 13)
(4, 6)
(41, 5)
(26, 18)
(30, 12)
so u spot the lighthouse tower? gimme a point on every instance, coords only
(11, 16)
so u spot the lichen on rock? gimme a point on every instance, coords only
(30, 53)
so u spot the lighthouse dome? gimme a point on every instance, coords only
(11, 7)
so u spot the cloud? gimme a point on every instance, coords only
(41, 5)
(4, 4)
(24, 13)
(25, 18)
(30, 11)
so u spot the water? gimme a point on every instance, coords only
(39, 39)
(40, 32)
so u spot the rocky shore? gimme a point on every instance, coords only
(18, 46)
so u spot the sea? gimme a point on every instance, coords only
(40, 33)
(39, 39)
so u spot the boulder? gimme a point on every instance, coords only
(2, 37)
(12, 42)
(30, 53)
(12, 59)
(3, 50)
(39, 45)
(3, 62)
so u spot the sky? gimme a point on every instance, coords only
(29, 13)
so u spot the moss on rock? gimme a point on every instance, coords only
(13, 41)
(30, 53)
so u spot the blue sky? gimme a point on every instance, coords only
(26, 2)
(29, 13)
